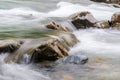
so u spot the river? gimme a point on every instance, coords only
(25, 18)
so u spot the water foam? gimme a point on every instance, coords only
(101, 12)
(19, 15)
(98, 41)
(64, 9)
(19, 72)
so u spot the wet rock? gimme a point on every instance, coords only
(116, 5)
(39, 51)
(83, 20)
(9, 45)
(108, 1)
(73, 60)
(50, 51)
(55, 26)
(44, 49)
(103, 24)
(116, 26)
(115, 18)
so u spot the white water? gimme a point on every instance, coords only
(92, 41)
(19, 72)
(98, 41)
(64, 9)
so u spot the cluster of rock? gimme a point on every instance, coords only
(108, 1)
(83, 20)
(48, 48)
(54, 47)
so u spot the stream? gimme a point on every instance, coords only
(25, 19)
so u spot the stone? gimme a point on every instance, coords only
(116, 26)
(9, 45)
(115, 18)
(72, 59)
(83, 20)
(55, 26)
(103, 24)
(50, 51)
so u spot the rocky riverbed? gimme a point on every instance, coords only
(75, 40)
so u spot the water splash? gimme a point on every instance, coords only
(19, 72)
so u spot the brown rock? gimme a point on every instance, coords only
(83, 20)
(9, 45)
(38, 51)
(47, 48)
(103, 24)
(115, 18)
(116, 26)
(55, 26)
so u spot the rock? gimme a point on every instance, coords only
(73, 60)
(55, 26)
(9, 45)
(108, 1)
(51, 51)
(116, 26)
(44, 49)
(116, 5)
(83, 20)
(115, 18)
(103, 24)
(38, 51)
(114, 23)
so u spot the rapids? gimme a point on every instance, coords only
(25, 18)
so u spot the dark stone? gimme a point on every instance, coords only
(73, 60)
(83, 20)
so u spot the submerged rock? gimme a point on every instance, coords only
(9, 45)
(73, 60)
(83, 20)
(55, 26)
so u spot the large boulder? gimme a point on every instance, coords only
(44, 49)
(83, 20)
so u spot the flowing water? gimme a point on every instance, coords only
(26, 19)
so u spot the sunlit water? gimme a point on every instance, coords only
(26, 18)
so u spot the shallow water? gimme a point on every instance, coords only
(26, 18)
